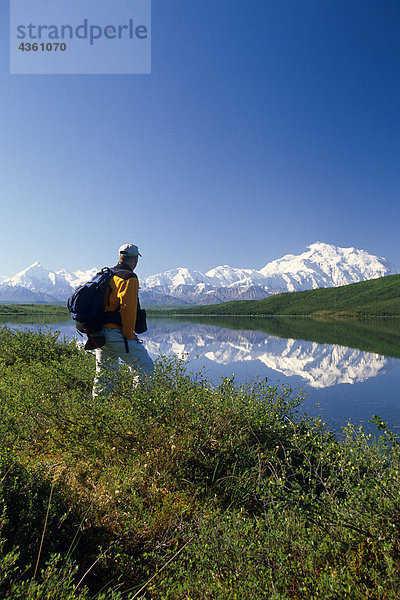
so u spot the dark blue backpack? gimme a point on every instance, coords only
(86, 304)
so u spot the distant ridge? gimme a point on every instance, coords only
(377, 297)
(321, 265)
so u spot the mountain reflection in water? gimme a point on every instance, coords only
(292, 353)
(350, 373)
(318, 365)
(349, 370)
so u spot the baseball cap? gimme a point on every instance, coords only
(129, 250)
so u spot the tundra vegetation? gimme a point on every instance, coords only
(183, 490)
(374, 298)
(15, 310)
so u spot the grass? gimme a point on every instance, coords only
(32, 309)
(377, 297)
(183, 490)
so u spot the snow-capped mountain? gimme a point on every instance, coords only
(77, 277)
(325, 265)
(37, 284)
(175, 277)
(321, 265)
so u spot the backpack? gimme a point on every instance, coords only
(86, 304)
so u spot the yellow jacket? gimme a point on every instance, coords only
(122, 295)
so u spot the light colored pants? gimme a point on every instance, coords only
(107, 364)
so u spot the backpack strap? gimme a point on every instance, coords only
(124, 273)
(111, 316)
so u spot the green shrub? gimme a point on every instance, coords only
(184, 490)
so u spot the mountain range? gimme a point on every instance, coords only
(321, 265)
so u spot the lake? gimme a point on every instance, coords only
(349, 370)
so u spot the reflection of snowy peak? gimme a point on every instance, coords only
(321, 265)
(319, 365)
(325, 365)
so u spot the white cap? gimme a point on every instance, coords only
(129, 250)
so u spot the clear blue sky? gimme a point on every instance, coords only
(265, 125)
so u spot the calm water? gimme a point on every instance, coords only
(348, 382)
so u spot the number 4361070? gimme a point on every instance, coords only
(42, 47)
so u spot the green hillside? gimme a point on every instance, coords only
(377, 297)
(33, 309)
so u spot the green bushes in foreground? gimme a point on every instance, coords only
(183, 490)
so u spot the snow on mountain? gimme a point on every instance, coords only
(32, 277)
(174, 278)
(321, 265)
(38, 284)
(77, 277)
(226, 275)
(325, 265)
(36, 279)
(221, 276)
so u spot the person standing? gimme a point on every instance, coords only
(121, 298)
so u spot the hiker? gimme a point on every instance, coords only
(120, 340)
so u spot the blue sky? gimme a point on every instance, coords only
(264, 126)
